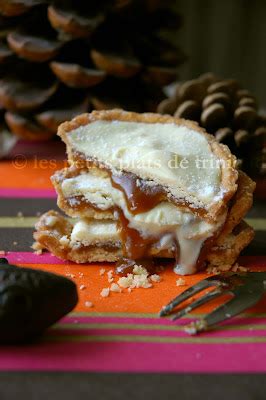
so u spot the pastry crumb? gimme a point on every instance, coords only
(38, 252)
(105, 292)
(134, 281)
(36, 246)
(139, 270)
(115, 288)
(141, 281)
(88, 304)
(235, 268)
(216, 270)
(225, 268)
(72, 276)
(239, 268)
(190, 329)
(212, 270)
(138, 279)
(180, 282)
(50, 220)
(125, 281)
(64, 241)
(110, 276)
(82, 287)
(155, 278)
(242, 269)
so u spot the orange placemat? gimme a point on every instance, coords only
(121, 332)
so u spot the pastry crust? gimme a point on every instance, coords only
(229, 174)
(239, 205)
(54, 231)
(230, 247)
(50, 238)
(77, 206)
(235, 235)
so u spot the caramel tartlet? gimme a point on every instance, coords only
(143, 186)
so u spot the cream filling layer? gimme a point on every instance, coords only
(165, 221)
(169, 154)
(88, 233)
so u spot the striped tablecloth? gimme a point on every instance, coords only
(121, 332)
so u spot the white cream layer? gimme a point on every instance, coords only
(165, 221)
(92, 232)
(170, 154)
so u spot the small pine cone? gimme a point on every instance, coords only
(227, 111)
(257, 162)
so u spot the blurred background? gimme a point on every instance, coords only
(202, 60)
(226, 37)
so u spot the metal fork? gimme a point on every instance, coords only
(247, 289)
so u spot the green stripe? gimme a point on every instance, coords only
(18, 222)
(150, 315)
(112, 314)
(152, 339)
(149, 327)
(110, 325)
(29, 222)
(259, 224)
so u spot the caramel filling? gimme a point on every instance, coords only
(144, 220)
(135, 246)
(139, 197)
(171, 155)
(161, 182)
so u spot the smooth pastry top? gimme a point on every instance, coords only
(175, 154)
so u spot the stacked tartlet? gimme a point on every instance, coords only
(142, 186)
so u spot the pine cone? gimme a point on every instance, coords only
(227, 111)
(61, 58)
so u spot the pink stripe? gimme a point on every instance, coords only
(27, 193)
(221, 333)
(47, 258)
(94, 319)
(135, 357)
(32, 258)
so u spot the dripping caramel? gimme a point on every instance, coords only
(135, 192)
(134, 245)
(140, 197)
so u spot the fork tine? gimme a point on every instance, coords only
(228, 310)
(199, 302)
(198, 287)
